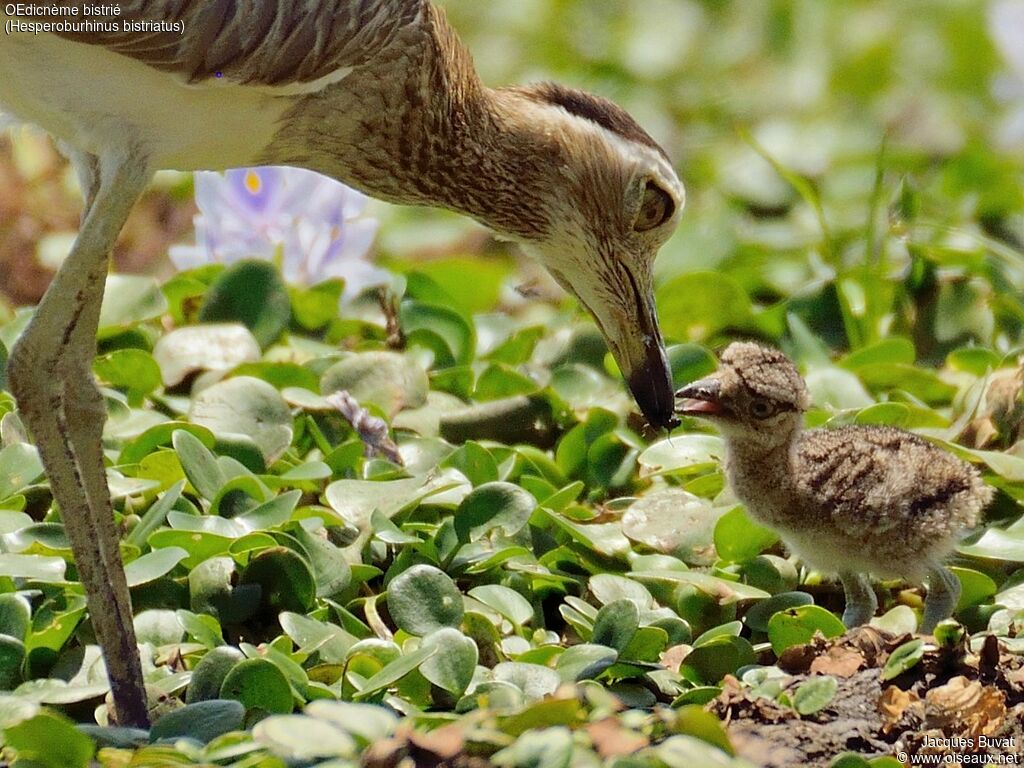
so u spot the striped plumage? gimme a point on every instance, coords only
(376, 93)
(854, 500)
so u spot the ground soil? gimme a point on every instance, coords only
(943, 705)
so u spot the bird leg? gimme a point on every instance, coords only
(943, 595)
(861, 602)
(50, 374)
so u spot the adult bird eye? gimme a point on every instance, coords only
(655, 209)
(761, 409)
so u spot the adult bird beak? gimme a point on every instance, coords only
(640, 353)
(700, 398)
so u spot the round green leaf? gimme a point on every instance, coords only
(12, 656)
(208, 675)
(533, 680)
(814, 694)
(217, 347)
(615, 624)
(738, 538)
(493, 506)
(454, 663)
(15, 615)
(509, 603)
(761, 612)
(129, 299)
(423, 599)
(388, 380)
(796, 626)
(584, 661)
(300, 739)
(131, 369)
(285, 579)
(153, 565)
(258, 684)
(903, 658)
(203, 720)
(252, 293)
(674, 522)
(50, 740)
(247, 406)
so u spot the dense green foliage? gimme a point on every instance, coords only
(848, 202)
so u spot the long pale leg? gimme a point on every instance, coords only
(50, 373)
(861, 602)
(943, 595)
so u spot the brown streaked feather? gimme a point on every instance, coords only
(257, 42)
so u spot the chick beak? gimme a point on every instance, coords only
(700, 398)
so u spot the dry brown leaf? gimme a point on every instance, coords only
(966, 706)
(893, 704)
(673, 657)
(445, 742)
(610, 739)
(839, 661)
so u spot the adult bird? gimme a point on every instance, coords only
(377, 93)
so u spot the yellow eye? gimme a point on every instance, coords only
(655, 209)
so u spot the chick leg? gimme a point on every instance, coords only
(50, 373)
(943, 595)
(861, 602)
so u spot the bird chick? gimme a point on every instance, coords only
(855, 500)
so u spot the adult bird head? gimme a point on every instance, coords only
(611, 199)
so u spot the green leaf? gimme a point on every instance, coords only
(584, 661)
(388, 380)
(422, 323)
(615, 624)
(215, 347)
(395, 671)
(15, 615)
(738, 538)
(815, 694)
(201, 720)
(493, 506)
(130, 369)
(758, 616)
(797, 626)
(509, 603)
(258, 684)
(691, 452)
(299, 739)
(153, 565)
(20, 466)
(423, 599)
(208, 675)
(50, 740)
(36, 567)
(285, 580)
(454, 663)
(252, 293)
(129, 299)
(903, 658)
(674, 522)
(246, 406)
(317, 305)
(201, 467)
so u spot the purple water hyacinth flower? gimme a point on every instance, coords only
(316, 224)
(1006, 27)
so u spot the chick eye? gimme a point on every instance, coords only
(761, 409)
(655, 209)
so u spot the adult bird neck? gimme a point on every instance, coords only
(416, 126)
